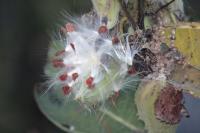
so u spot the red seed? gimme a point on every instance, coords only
(89, 82)
(58, 63)
(115, 40)
(70, 27)
(131, 70)
(63, 77)
(102, 29)
(58, 53)
(74, 76)
(66, 90)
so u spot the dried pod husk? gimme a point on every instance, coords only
(145, 98)
(169, 105)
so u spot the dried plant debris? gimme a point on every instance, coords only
(169, 105)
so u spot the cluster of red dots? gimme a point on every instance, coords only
(69, 27)
(58, 63)
(103, 31)
(63, 77)
(67, 89)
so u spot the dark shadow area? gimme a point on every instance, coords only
(23, 47)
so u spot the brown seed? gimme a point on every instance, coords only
(168, 105)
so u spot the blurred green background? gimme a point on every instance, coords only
(23, 46)
(24, 26)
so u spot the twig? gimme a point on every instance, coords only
(164, 6)
(141, 14)
(158, 10)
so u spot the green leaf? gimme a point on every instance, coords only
(114, 116)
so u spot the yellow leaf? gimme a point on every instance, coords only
(187, 41)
